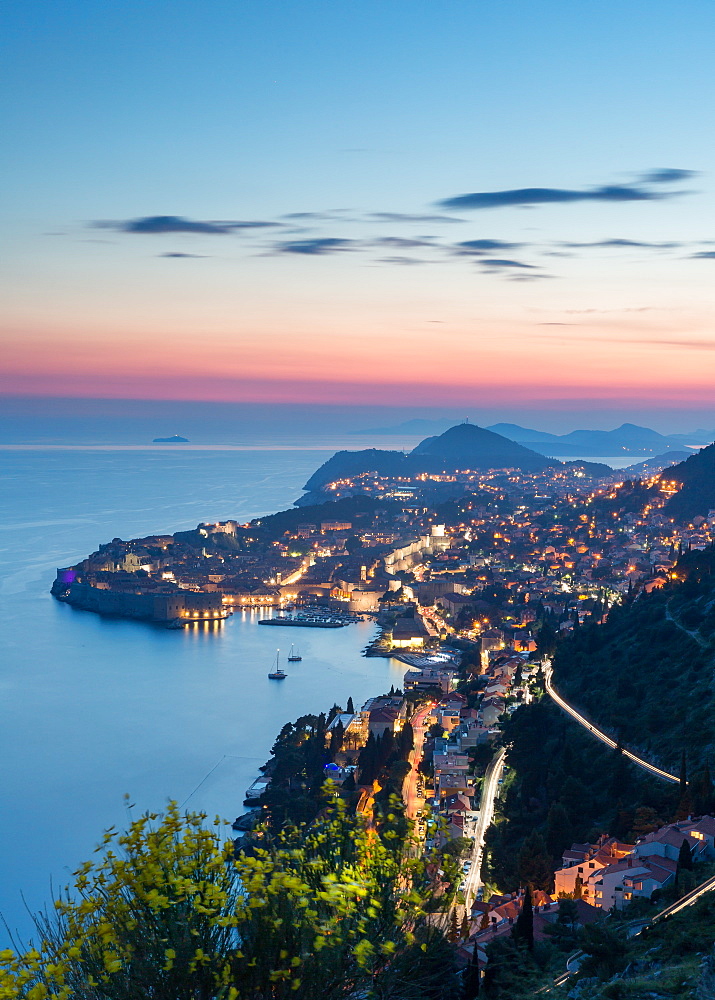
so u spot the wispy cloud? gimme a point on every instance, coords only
(667, 175)
(402, 217)
(704, 255)
(331, 215)
(478, 248)
(680, 343)
(154, 224)
(504, 262)
(544, 196)
(401, 243)
(401, 261)
(623, 244)
(195, 255)
(315, 247)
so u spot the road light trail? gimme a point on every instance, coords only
(600, 735)
(687, 900)
(486, 811)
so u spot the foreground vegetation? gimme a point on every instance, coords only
(330, 910)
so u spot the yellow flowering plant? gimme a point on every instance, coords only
(169, 911)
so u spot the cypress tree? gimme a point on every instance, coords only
(524, 927)
(453, 934)
(471, 977)
(407, 739)
(466, 926)
(336, 737)
(685, 857)
(350, 709)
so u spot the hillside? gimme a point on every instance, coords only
(646, 675)
(697, 478)
(464, 446)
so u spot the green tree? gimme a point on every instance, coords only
(559, 830)
(472, 977)
(702, 791)
(605, 949)
(685, 857)
(524, 927)
(535, 865)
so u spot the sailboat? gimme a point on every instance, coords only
(277, 674)
(294, 655)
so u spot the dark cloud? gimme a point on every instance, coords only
(400, 217)
(152, 224)
(315, 247)
(704, 255)
(196, 255)
(667, 175)
(544, 196)
(479, 247)
(504, 262)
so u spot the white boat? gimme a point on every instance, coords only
(277, 674)
(294, 656)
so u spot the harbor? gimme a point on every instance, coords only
(314, 617)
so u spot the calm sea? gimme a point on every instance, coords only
(92, 708)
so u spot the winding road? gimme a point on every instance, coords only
(600, 735)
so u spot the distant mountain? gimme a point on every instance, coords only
(522, 434)
(174, 439)
(628, 439)
(699, 437)
(652, 466)
(464, 446)
(697, 493)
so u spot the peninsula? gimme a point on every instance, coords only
(540, 613)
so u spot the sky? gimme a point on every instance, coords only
(506, 207)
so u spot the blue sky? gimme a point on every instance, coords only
(345, 128)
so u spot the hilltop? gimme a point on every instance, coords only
(462, 447)
(480, 449)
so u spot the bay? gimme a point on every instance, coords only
(92, 708)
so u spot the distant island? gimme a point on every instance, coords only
(174, 439)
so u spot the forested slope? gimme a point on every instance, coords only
(646, 675)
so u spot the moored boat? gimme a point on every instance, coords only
(277, 674)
